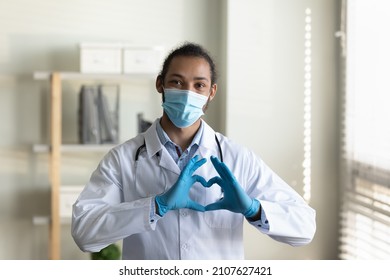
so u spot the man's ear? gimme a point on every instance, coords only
(213, 92)
(159, 84)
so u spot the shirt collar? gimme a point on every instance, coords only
(164, 138)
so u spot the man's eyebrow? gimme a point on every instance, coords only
(176, 75)
(201, 78)
(181, 76)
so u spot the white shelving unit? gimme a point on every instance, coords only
(56, 148)
(73, 148)
(42, 75)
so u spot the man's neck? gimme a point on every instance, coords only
(180, 136)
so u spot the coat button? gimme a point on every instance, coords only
(184, 213)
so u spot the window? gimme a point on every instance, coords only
(365, 213)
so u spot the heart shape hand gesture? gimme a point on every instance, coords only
(235, 199)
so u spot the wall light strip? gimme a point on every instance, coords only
(307, 109)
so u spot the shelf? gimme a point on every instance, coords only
(55, 148)
(42, 75)
(45, 220)
(74, 148)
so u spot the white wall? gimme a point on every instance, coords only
(265, 106)
(44, 35)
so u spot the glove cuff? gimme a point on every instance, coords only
(252, 210)
(161, 208)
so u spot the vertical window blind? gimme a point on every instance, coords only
(365, 190)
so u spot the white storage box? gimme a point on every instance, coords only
(68, 196)
(101, 58)
(144, 60)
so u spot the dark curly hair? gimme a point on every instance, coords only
(190, 49)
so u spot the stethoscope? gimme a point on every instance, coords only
(143, 147)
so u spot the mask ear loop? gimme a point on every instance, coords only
(207, 103)
(163, 94)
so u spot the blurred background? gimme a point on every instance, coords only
(304, 83)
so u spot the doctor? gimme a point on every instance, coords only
(181, 190)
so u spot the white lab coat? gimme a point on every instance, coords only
(116, 204)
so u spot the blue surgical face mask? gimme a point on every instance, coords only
(183, 107)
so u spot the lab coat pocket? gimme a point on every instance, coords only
(219, 218)
(149, 179)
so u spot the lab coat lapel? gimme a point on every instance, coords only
(167, 162)
(154, 146)
(208, 145)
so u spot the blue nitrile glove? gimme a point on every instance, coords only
(235, 199)
(177, 196)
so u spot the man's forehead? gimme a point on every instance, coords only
(197, 66)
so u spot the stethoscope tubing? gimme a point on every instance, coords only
(143, 146)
